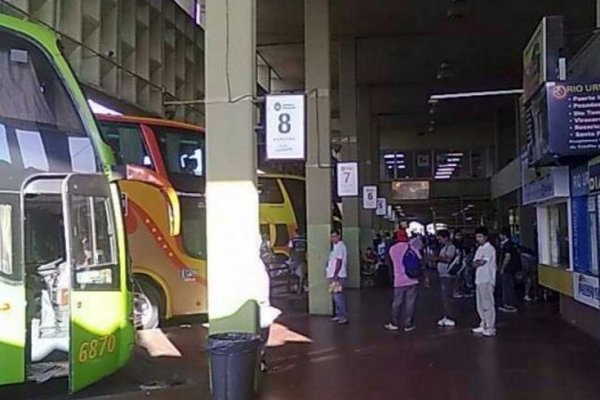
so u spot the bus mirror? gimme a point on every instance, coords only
(174, 211)
(146, 175)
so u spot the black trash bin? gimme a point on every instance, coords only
(233, 362)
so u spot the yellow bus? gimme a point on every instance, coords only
(164, 207)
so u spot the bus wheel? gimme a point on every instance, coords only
(147, 303)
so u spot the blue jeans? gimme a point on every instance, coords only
(339, 303)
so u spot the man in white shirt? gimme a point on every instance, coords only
(485, 280)
(337, 274)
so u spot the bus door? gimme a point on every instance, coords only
(99, 320)
(12, 298)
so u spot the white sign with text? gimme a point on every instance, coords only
(285, 127)
(381, 209)
(370, 197)
(347, 179)
(586, 289)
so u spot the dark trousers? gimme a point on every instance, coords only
(403, 306)
(509, 297)
(446, 289)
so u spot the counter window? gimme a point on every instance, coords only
(554, 234)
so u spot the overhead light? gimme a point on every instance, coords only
(455, 154)
(443, 177)
(451, 165)
(466, 95)
(454, 160)
(389, 156)
(431, 129)
(445, 170)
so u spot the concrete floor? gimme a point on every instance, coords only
(535, 356)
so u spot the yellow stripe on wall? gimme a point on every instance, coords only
(557, 279)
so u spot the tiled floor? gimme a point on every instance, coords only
(536, 356)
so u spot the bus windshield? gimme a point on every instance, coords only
(40, 129)
(182, 151)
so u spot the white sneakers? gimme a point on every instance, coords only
(391, 327)
(480, 330)
(446, 322)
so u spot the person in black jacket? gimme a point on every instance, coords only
(510, 264)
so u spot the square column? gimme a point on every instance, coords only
(231, 192)
(348, 120)
(318, 161)
(368, 161)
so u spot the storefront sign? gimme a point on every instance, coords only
(580, 181)
(370, 197)
(381, 209)
(285, 127)
(553, 185)
(410, 190)
(347, 179)
(541, 55)
(574, 118)
(594, 176)
(586, 289)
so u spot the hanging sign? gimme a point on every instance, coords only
(390, 213)
(381, 209)
(347, 179)
(285, 127)
(370, 197)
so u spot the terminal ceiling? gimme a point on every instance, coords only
(401, 45)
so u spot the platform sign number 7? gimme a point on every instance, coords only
(347, 179)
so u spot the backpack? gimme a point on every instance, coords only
(412, 264)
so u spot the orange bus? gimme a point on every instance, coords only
(164, 206)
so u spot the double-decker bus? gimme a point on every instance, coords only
(65, 301)
(164, 205)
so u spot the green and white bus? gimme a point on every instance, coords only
(65, 292)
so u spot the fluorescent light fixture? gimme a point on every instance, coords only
(448, 165)
(443, 177)
(393, 156)
(98, 108)
(443, 173)
(454, 159)
(466, 95)
(401, 166)
(455, 154)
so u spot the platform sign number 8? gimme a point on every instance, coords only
(285, 127)
(284, 123)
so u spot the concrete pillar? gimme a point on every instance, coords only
(318, 170)
(348, 122)
(367, 166)
(232, 197)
